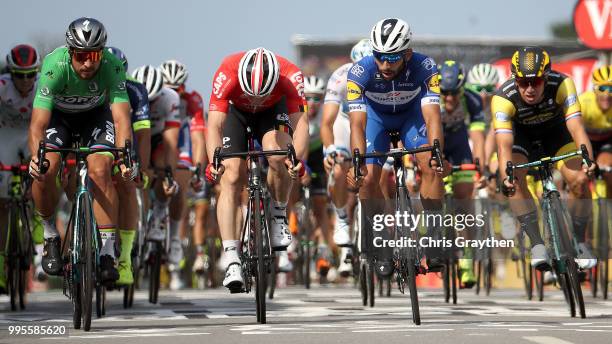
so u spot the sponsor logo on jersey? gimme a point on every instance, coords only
(218, 83)
(121, 86)
(356, 107)
(298, 82)
(44, 91)
(352, 91)
(502, 116)
(428, 63)
(78, 102)
(394, 97)
(92, 87)
(434, 83)
(357, 70)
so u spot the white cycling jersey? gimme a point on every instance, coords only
(15, 115)
(165, 111)
(336, 93)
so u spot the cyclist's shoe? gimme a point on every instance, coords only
(280, 237)
(383, 268)
(156, 234)
(345, 268)
(39, 273)
(539, 258)
(126, 276)
(108, 273)
(549, 277)
(201, 264)
(176, 252)
(233, 278)
(323, 266)
(585, 258)
(175, 280)
(284, 263)
(51, 257)
(435, 264)
(341, 232)
(467, 273)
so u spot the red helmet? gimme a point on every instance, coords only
(23, 57)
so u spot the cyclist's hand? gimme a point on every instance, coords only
(350, 177)
(196, 183)
(129, 173)
(328, 163)
(481, 182)
(212, 174)
(508, 188)
(170, 190)
(589, 170)
(439, 169)
(34, 170)
(295, 171)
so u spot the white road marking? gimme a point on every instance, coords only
(546, 340)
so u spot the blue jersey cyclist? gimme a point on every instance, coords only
(396, 89)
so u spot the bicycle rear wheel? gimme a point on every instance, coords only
(414, 296)
(572, 273)
(87, 268)
(261, 275)
(154, 275)
(371, 284)
(363, 284)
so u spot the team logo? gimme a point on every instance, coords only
(428, 63)
(502, 116)
(357, 70)
(352, 91)
(93, 87)
(44, 91)
(434, 83)
(121, 86)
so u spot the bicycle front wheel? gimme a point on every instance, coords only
(261, 275)
(87, 269)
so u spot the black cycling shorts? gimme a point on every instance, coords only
(536, 142)
(237, 121)
(318, 185)
(95, 128)
(601, 147)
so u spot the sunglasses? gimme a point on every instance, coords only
(391, 58)
(525, 82)
(313, 98)
(484, 89)
(604, 88)
(82, 56)
(449, 93)
(18, 74)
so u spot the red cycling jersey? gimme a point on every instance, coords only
(193, 106)
(226, 88)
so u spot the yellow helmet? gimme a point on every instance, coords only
(529, 62)
(602, 76)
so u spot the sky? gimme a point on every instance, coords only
(200, 33)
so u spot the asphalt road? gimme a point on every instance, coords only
(332, 314)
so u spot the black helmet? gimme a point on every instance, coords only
(86, 34)
(530, 62)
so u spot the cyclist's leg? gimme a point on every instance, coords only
(604, 159)
(229, 204)
(98, 132)
(127, 223)
(274, 131)
(201, 205)
(45, 193)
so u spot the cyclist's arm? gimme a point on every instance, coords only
(357, 112)
(198, 142)
(299, 121)
(502, 110)
(566, 95)
(358, 126)
(477, 125)
(489, 147)
(195, 108)
(143, 137)
(330, 112)
(214, 137)
(38, 124)
(123, 122)
(170, 137)
(430, 108)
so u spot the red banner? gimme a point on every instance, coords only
(579, 70)
(593, 23)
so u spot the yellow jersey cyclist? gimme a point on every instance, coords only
(459, 105)
(597, 116)
(16, 96)
(76, 86)
(540, 105)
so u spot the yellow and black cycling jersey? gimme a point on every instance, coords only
(559, 103)
(598, 124)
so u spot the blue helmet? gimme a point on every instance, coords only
(452, 76)
(360, 50)
(120, 55)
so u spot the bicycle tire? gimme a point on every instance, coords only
(13, 273)
(604, 278)
(446, 281)
(363, 284)
(478, 276)
(154, 276)
(77, 311)
(604, 246)
(388, 287)
(565, 285)
(414, 296)
(306, 263)
(88, 271)
(99, 301)
(488, 274)
(593, 280)
(25, 261)
(13, 259)
(572, 273)
(454, 278)
(272, 282)
(261, 275)
(539, 283)
(371, 284)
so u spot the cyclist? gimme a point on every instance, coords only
(266, 92)
(336, 139)
(597, 116)
(458, 105)
(540, 105)
(166, 121)
(76, 86)
(126, 189)
(192, 151)
(16, 97)
(395, 89)
(483, 79)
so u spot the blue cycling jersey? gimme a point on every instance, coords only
(416, 83)
(139, 102)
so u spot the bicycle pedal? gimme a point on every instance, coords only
(237, 290)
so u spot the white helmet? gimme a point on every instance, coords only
(391, 35)
(360, 50)
(175, 73)
(483, 74)
(258, 72)
(151, 77)
(314, 84)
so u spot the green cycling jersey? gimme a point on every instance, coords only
(60, 87)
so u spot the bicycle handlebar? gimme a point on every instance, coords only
(289, 152)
